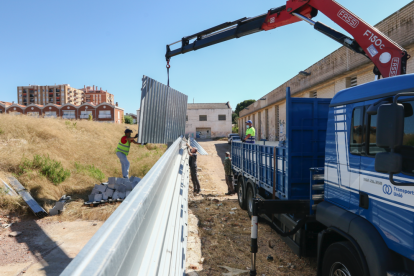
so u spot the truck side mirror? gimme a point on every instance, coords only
(390, 131)
(390, 125)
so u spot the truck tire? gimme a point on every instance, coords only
(241, 195)
(249, 200)
(341, 259)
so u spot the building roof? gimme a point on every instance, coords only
(208, 105)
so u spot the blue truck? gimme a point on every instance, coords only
(341, 187)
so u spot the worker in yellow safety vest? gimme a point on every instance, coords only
(123, 149)
(250, 133)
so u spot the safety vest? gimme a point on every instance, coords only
(124, 148)
(252, 133)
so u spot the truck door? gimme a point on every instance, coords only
(390, 208)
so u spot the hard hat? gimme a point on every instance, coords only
(128, 131)
(249, 122)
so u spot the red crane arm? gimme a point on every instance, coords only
(389, 58)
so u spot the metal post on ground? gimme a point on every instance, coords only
(254, 249)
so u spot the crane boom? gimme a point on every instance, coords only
(390, 59)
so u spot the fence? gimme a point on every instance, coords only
(147, 234)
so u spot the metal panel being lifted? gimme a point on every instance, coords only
(162, 113)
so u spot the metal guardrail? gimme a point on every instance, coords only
(147, 234)
(162, 113)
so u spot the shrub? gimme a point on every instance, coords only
(90, 170)
(90, 117)
(51, 169)
(128, 120)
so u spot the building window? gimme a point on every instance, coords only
(203, 117)
(351, 82)
(85, 114)
(1, 111)
(50, 114)
(104, 114)
(220, 118)
(186, 118)
(33, 114)
(68, 114)
(314, 94)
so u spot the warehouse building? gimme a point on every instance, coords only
(208, 120)
(103, 112)
(337, 71)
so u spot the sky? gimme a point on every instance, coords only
(112, 44)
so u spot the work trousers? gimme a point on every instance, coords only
(124, 163)
(229, 181)
(194, 178)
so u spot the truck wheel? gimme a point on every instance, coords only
(249, 199)
(341, 259)
(240, 195)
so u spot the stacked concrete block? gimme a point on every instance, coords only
(116, 189)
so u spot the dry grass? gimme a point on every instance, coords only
(85, 148)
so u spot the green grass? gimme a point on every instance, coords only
(90, 170)
(51, 169)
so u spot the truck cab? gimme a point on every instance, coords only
(342, 186)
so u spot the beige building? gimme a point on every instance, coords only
(208, 120)
(337, 71)
(54, 94)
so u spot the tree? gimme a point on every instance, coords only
(128, 120)
(243, 105)
(235, 118)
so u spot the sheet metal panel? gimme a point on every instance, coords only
(162, 113)
(21, 190)
(196, 145)
(147, 234)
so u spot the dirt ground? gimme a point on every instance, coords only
(44, 247)
(219, 231)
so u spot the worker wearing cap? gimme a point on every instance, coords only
(250, 133)
(192, 152)
(123, 149)
(229, 174)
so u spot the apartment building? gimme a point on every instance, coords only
(335, 72)
(49, 94)
(97, 96)
(103, 112)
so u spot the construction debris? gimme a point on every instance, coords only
(59, 206)
(34, 206)
(232, 271)
(15, 234)
(116, 189)
(6, 225)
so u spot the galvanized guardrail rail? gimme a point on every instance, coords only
(147, 234)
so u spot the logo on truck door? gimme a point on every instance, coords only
(349, 19)
(387, 189)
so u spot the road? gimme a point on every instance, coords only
(219, 231)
